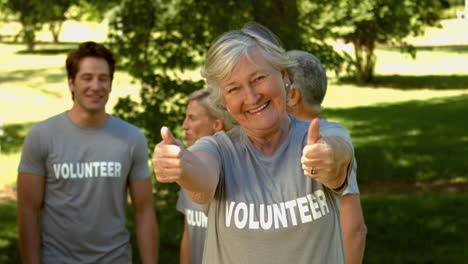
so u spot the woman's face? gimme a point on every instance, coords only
(198, 122)
(254, 93)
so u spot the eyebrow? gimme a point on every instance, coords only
(250, 75)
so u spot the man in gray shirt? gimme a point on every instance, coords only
(75, 171)
(307, 91)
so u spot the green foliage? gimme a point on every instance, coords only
(171, 225)
(366, 23)
(30, 17)
(34, 14)
(9, 248)
(13, 137)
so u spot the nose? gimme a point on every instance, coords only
(96, 84)
(251, 95)
(185, 124)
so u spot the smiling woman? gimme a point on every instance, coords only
(255, 180)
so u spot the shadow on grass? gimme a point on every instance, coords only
(412, 141)
(9, 249)
(445, 48)
(418, 229)
(413, 82)
(46, 48)
(21, 75)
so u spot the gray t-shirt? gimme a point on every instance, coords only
(265, 210)
(352, 187)
(87, 172)
(197, 222)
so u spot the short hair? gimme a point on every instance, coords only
(202, 96)
(309, 77)
(88, 49)
(227, 50)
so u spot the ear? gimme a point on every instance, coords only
(71, 87)
(70, 84)
(218, 125)
(294, 97)
(285, 76)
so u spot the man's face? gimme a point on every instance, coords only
(92, 85)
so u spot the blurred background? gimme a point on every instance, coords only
(397, 81)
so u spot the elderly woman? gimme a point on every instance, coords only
(270, 185)
(201, 119)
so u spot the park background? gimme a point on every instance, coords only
(407, 115)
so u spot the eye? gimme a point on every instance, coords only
(259, 78)
(86, 77)
(232, 89)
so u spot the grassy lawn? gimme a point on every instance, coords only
(416, 228)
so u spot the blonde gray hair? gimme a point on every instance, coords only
(202, 96)
(226, 52)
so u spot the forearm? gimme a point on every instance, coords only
(147, 236)
(29, 236)
(354, 245)
(200, 176)
(353, 228)
(185, 246)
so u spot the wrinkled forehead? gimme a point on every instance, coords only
(245, 65)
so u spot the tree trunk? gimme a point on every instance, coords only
(29, 37)
(55, 28)
(364, 60)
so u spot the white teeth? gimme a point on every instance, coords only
(260, 108)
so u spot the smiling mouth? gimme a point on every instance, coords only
(260, 108)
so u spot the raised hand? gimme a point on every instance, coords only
(168, 157)
(317, 156)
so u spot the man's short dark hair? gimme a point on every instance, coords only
(88, 49)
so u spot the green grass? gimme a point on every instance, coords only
(417, 229)
(416, 140)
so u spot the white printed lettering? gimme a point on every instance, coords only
(280, 215)
(303, 209)
(240, 222)
(252, 223)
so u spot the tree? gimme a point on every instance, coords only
(367, 23)
(30, 14)
(33, 14)
(56, 15)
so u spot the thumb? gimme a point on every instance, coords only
(314, 131)
(167, 136)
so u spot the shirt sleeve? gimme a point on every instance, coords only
(140, 169)
(182, 201)
(352, 187)
(207, 144)
(33, 156)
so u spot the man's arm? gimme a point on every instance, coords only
(145, 219)
(353, 228)
(185, 245)
(30, 188)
